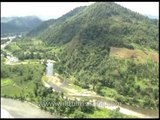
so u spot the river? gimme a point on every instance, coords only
(10, 38)
(49, 68)
(16, 109)
(125, 109)
(10, 57)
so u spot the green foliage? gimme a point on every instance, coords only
(80, 42)
(5, 82)
(104, 74)
(17, 25)
(25, 84)
(78, 114)
(103, 23)
(86, 38)
(27, 48)
(20, 79)
(116, 114)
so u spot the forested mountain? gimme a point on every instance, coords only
(7, 19)
(152, 17)
(14, 25)
(92, 42)
(42, 27)
(103, 47)
(104, 21)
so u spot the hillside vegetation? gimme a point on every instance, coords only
(91, 43)
(87, 39)
(23, 82)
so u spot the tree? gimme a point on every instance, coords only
(78, 114)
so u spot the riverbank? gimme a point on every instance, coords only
(5, 114)
(98, 99)
(75, 93)
(16, 109)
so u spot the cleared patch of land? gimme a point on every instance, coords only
(140, 55)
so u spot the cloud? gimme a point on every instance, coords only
(57, 9)
(52, 9)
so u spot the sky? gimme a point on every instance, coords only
(145, 8)
(48, 10)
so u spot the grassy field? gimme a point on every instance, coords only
(12, 89)
(6, 81)
(101, 113)
(141, 56)
(79, 89)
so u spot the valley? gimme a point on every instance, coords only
(102, 56)
(71, 91)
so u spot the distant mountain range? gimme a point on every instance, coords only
(152, 17)
(17, 25)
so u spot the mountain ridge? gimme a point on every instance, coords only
(107, 17)
(17, 25)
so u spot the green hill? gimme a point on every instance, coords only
(17, 25)
(86, 41)
(104, 22)
(49, 23)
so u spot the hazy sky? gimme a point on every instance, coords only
(46, 10)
